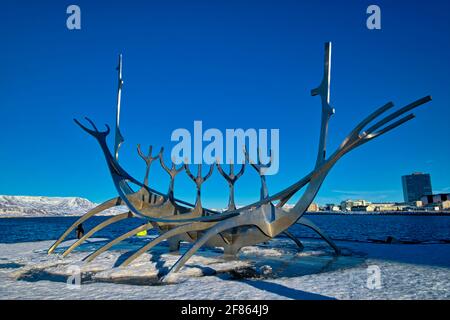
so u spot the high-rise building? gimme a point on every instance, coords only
(416, 185)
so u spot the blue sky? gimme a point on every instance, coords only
(231, 64)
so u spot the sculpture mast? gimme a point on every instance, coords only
(327, 111)
(118, 138)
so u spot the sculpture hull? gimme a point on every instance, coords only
(177, 220)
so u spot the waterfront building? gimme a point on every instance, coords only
(332, 207)
(348, 204)
(445, 205)
(388, 206)
(435, 198)
(441, 201)
(415, 186)
(364, 208)
(313, 207)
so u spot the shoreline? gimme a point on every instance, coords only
(387, 213)
(320, 213)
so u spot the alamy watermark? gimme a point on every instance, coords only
(373, 22)
(74, 280)
(237, 142)
(73, 21)
(369, 278)
(373, 277)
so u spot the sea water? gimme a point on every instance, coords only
(416, 229)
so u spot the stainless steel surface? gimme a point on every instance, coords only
(231, 178)
(99, 227)
(105, 205)
(118, 136)
(177, 220)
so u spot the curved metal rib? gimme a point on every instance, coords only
(398, 113)
(97, 228)
(171, 233)
(127, 235)
(308, 223)
(215, 230)
(382, 131)
(105, 205)
(294, 238)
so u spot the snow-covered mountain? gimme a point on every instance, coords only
(32, 206)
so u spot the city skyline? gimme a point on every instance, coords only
(231, 69)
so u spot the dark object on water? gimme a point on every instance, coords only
(80, 231)
(390, 239)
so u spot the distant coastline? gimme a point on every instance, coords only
(383, 213)
(42, 206)
(315, 213)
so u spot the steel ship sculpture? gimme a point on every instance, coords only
(177, 220)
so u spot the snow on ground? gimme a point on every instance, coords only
(271, 271)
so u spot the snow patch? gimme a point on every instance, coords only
(407, 272)
(38, 206)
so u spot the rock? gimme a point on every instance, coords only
(265, 271)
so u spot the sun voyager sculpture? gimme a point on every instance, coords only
(176, 220)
